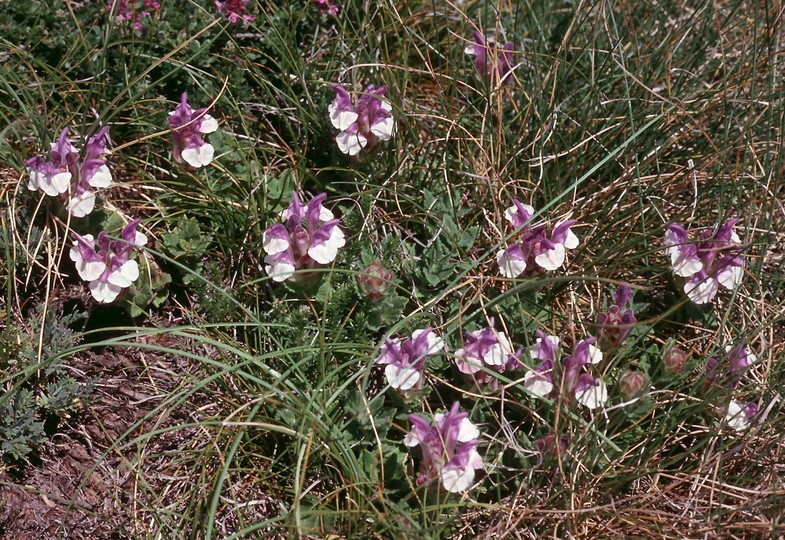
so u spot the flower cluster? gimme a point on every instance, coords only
(405, 360)
(68, 176)
(188, 126)
(739, 415)
(109, 269)
(235, 10)
(616, 322)
(308, 237)
(588, 390)
(537, 245)
(496, 65)
(712, 261)
(484, 353)
(363, 124)
(328, 7)
(449, 449)
(133, 10)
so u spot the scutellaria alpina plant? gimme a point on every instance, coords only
(404, 360)
(714, 260)
(375, 281)
(738, 415)
(188, 126)
(585, 388)
(632, 383)
(491, 62)
(539, 247)
(739, 360)
(67, 176)
(363, 124)
(484, 353)
(588, 390)
(308, 237)
(674, 359)
(449, 449)
(540, 380)
(616, 322)
(109, 269)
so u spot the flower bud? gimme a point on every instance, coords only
(632, 383)
(551, 444)
(375, 281)
(674, 359)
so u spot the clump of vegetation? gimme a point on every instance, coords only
(445, 269)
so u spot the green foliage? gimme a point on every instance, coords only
(187, 244)
(624, 116)
(36, 385)
(20, 429)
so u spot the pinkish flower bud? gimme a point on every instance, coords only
(375, 281)
(551, 444)
(632, 383)
(674, 359)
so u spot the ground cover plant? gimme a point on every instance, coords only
(401, 269)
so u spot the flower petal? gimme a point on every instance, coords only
(537, 383)
(402, 378)
(351, 143)
(104, 291)
(125, 275)
(701, 291)
(209, 124)
(198, 156)
(551, 259)
(457, 479)
(82, 204)
(384, 129)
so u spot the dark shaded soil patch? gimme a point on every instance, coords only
(84, 486)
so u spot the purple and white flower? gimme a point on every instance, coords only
(188, 126)
(404, 361)
(67, 176)
(449, 449)
(485, 352)
(739, 359)
(714, 260)
(617, 321)
(538, 245)
(496, 65)
(588, 390)
(540, 381)
(363, 124)
(740, 415)
(109, 269)
(309, 236)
